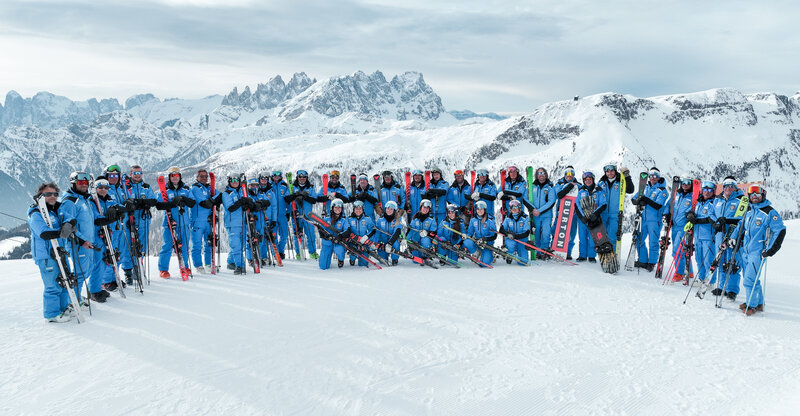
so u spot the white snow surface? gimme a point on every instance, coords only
(546, 339)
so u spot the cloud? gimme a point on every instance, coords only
(500, 55)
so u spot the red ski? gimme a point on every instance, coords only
(177, 244)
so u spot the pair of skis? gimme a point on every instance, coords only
(686, 245)
(637, 225)
(348, 243)
(177, 242)
(111, 253)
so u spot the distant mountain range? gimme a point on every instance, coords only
(364, 122)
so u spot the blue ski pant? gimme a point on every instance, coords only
(611, 221)
(585, 242)
(518, 250)
(752, 282)
(395, 246)
(165, 254)
(83, 261)
(102, 273)
(485, 255)
(543, 230)
(55, 298)
(648, 250)
(326, 252)
(704, 254)
(201, 244)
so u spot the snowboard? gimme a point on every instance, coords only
(602, 243)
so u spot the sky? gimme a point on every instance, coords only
(502, 56)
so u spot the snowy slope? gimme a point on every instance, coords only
(547, 339)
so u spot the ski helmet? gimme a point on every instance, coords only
(102, 183)
(263, 175)
(277, 173)
(416, 172)
(235, 177)
(708, 185)
(458, 172)
(610, 166)
(729, 181)
(588, 174)
(79, 176)
(387, 173)
(686, 180)
(569, 171)
(302, 172)
(514, 204)
(337, 203)
(363, 176)
(391, 204)
(358, 204)
(111, 168)
(425, 203)
(436, 170)
(173, 170)
(654, 172)
(334, 173)
(512, 168)
(483, 172)
(480, 205)
(452, 208)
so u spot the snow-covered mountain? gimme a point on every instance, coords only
(366, 123)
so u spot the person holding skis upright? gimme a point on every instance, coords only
(76, 208)
(515, 188)
(201, 222)
(391, 190)
(437, 194)
(516, 226)
(103, 280)
(278, 209)
(367, 194)
(144, 198)
(338, 221)
(682, 205)
(702, 220)
(458, 194)
(563, 187)
(417, 192)
(304, 198)
(586, 249)
(725, 208)
(653, 198)
(55, 299)
(179, 198)
(335, 191)
(609, 184)
(118, 194)
(233, 201)
(486, 191)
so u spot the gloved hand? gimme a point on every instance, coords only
(475, 196)
(625, 171)
(691, 216)
(500, 196)
(636, 201)
(331, 197)
(592, 217)
(66, 230)
(112, 212)
(719, 226)
(131, 204)
(207, 204)
(423, 233)
(363, 239)
(732, 243)
(178, 200)
(403, 245)
(510, 235)
(387, 248)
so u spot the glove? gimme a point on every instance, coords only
(423, 233)
(688, 227)
(625, 170)
(592, 217)
(178, 200)
(387, 248)
(719, 226)
(131, 204)
(403, 245)
(112, 212)
(475, 196)
(207, 204)
(691, 216)
(732, 243)
(362, 239)
(331, 197)
(500, 195)
(636, 201)
(66, 230)
(510, 235)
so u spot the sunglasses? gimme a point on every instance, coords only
(49, 193)
(541, 174)
(234, 180)
(113, 175)
(102, 187)
(686, 182)
(139, 173)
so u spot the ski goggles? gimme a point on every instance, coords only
(541, 173)
(452, 208)
(233, 180)
(277, 173)
(102, 186)
(136, 173)
(686, 181)
(608, 168)
(415, 172)
(358, 204)
(387, 173)
(458, 173)
(112, 175)
(483, 172)
(302, 173)
(425, 203)
(337, 203)
(514, 205)
(588, 175)
(113, 168)
(728, 183)
(334, 173)
(755, 189)
(480, 205)
(654, 174)
(512, 169)
(709, 186)
(390, 205)
(49, 193)
(569, 172)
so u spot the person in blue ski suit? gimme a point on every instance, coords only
(179, 198)
(680, 205)
(338, 221)
(653, 198)
(764, 232)
(392, 191)
(728, 278)
(367, 194)
(106, 215)
(335, 191)
(421, 224)
(540, 207)
(515, 187)
(258, 208)
(363, 227)
(305, 197)
(563, 187)
(454, 221)
(76, 208)
(122, 240)
(416, 193)
(459, 192)
(278, 209)
(390, 224)
(703, 219)
(55, 298)
(263, 201)
(234, 203)
(483, 228)
(609, 184)
(145, 198)
(201, 222)
(516, 225)
(437, 194)
(486, 191)
(586, 248)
